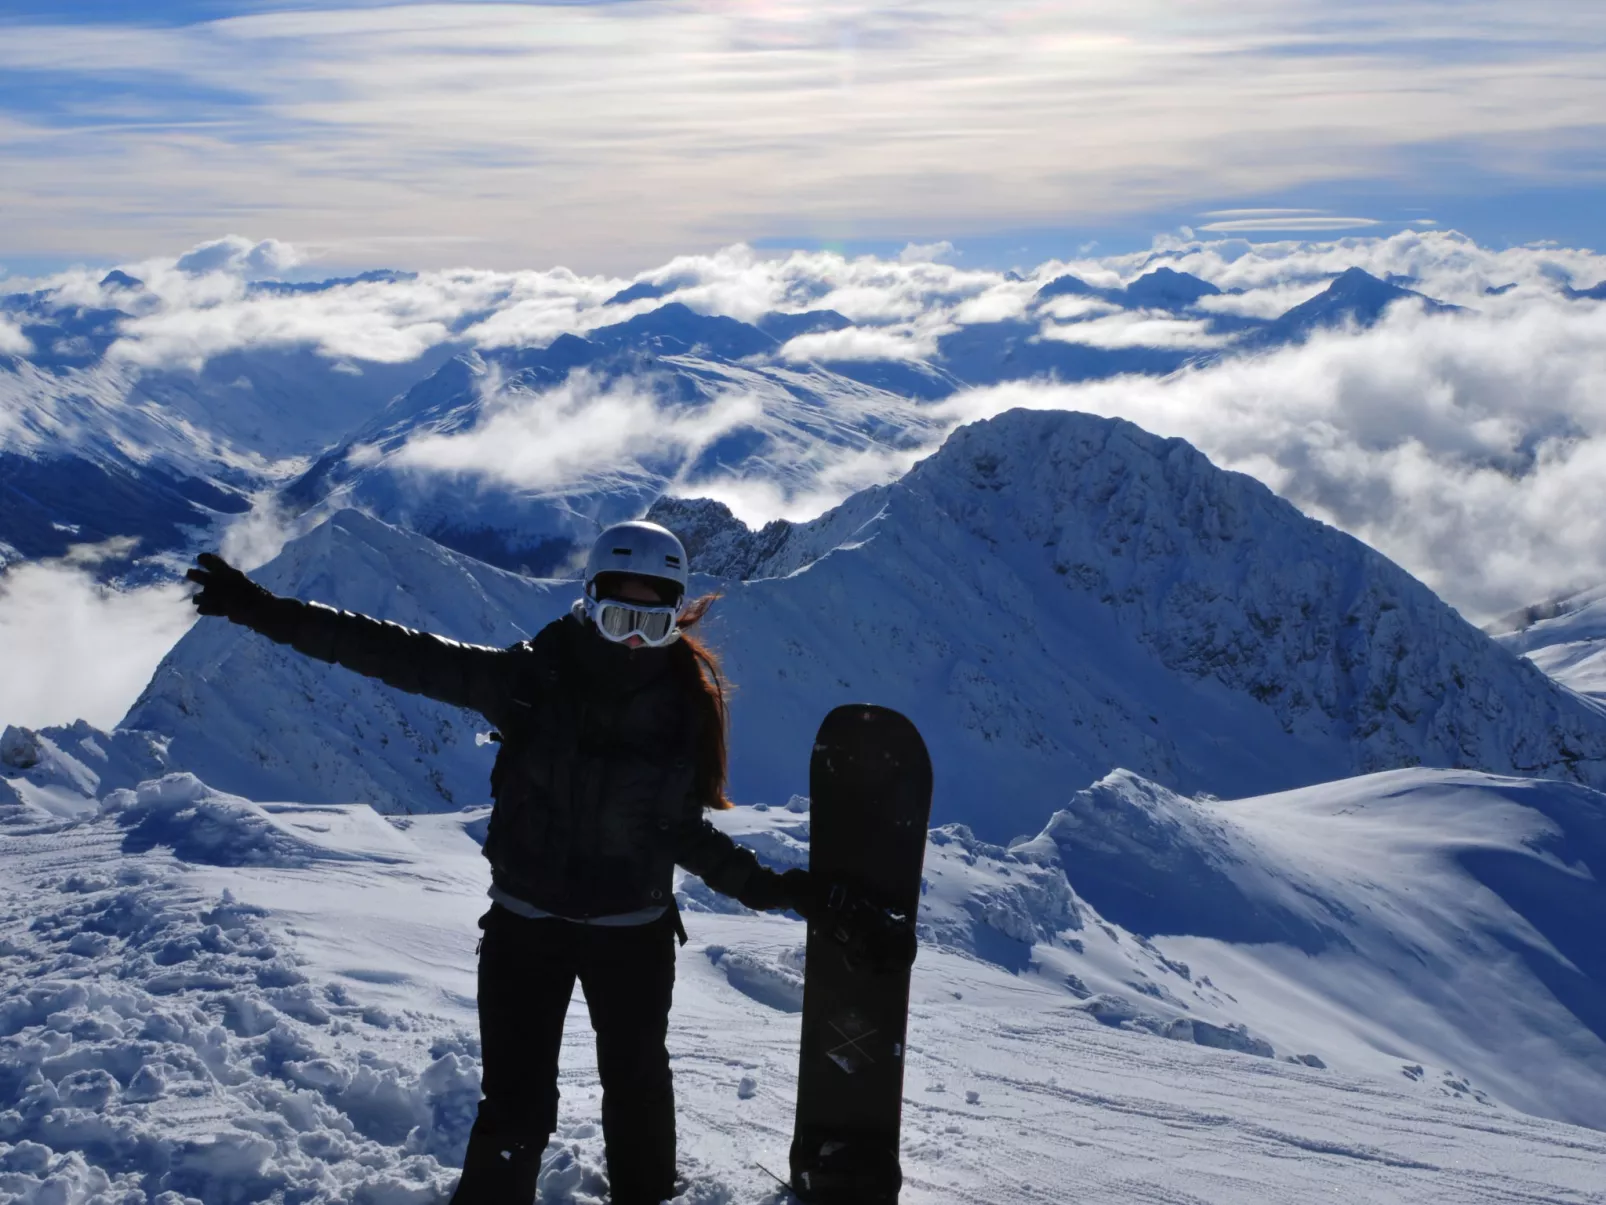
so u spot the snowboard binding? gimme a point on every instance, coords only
(837, 1171)
(877, 940)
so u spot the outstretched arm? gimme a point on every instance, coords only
(734, 870)
(464, 675)
(869, 935)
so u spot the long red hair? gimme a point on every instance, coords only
(700, 665)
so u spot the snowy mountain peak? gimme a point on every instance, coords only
(1168, 289)
(1161, 289)
(717, 542)
(1355, 298)
(677, 329)
(118, 279)
(1062, 594)
(1066, 286)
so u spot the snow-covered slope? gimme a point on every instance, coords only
(106, 448)
(1566, 638)
(257, 718)
(1050, 596)
(1419, 917)
(1356, 298)
(242, 1001)
(670, 397)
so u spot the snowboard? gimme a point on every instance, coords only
(870, 800)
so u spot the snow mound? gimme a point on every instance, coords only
(1153, 859)
(1444, 913)
(169, 1048)
(65, 770)
(202, 825)
(775, 982)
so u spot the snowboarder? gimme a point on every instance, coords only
(612, 724)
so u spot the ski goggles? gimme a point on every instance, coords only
(619, 621)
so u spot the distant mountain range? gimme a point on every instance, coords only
(98, 447)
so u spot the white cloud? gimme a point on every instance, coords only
(1447, 265)
(1470, 448)
(251, 540)
(1072, 308)
(860, 343)
(240, 257)
(338, 323)
(840, 473)
(563, 437)
(1137, 328)
(75, 649)
(604, 136)
(1000, 303)
(925, 253)
(1314, 225)
(1269, 302)
(12, 341)
(1263, 213)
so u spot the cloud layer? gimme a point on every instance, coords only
(610, 135)
(78, 650)
(576, 435)
(1467, 446)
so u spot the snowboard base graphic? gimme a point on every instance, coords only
(870, 800)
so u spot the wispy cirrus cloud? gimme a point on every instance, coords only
(1294, 222)
(606, 136)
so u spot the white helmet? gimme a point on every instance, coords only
(642, 550)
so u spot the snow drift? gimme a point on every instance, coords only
(231, 1000)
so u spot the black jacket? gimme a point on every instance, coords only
(593, 783)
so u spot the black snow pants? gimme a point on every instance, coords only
(526, 975)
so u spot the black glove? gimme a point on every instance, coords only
(871, 937)
(224, 589)
(767, 890)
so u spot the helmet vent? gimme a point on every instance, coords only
(621, 552)
(672, 560)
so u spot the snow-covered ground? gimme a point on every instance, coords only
(230, 1001)
(1381, 988)
(1565, 638)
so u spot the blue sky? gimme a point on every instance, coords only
(612, 136)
